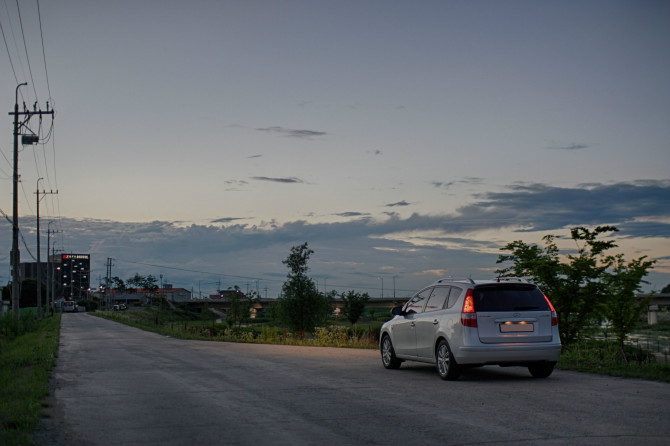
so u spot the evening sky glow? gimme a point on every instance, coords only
(403, 140)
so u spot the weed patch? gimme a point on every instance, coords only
(27, 355)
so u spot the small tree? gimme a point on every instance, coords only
(623, 309)
(240, 305)
(301, 306)
(354, 305)
(582, 289)
(118, 284)
(134, 283)
(149, 283)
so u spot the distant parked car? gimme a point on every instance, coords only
(120, 307)
(70, 306)
(465, 323)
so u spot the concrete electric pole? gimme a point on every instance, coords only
(40, 195)
(27, 139)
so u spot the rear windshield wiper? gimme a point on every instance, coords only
(526, 308)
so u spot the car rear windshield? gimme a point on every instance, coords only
(509, 297)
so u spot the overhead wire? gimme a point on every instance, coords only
(44, 56)
(25, 46)
(16, 50)
(4, 38)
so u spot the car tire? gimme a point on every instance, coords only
(446, 365)
(541, 369)
(388, 354)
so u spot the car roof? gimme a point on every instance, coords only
(470, 281)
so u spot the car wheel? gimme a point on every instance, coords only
(388, 354)
(541, 369)
(446, 364)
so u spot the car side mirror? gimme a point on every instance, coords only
(397, 311)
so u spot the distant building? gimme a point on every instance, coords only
(28, 270)
(72, 274)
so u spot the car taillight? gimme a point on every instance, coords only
(554, 317)
(468, 315)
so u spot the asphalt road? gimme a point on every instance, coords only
(115, 384)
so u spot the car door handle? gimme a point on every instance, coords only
(435, 322)
(412, 324)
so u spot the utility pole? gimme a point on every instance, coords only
(50, 272)
(39, 262)
(26, 140)
(108, 281)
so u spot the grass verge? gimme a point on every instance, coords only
(180, 324)
(28, 351)
(607, 358)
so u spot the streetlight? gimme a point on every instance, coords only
(382, 279)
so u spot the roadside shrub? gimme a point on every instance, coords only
(336, 336)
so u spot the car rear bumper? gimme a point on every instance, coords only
(507, 353)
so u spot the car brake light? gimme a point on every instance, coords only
(554, 317)
(468, 314)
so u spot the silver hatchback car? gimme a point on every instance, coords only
(466, 323)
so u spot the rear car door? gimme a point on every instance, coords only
(512, 313)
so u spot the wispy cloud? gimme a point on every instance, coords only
(236, 182)
(573, 146)
(293, 133)
(398, 203)
(352, 214)
(227, 219)
(448, 184)
(279, 180)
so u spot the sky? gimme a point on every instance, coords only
(404, 141)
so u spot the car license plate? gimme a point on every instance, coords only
(513, 327)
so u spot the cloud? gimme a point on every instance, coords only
(352, 214)
(352, 254)
(542, 207)
(573, 146)
(227, 219)
(293, 133)
(279, 180)
(399, 203)
(449, 184)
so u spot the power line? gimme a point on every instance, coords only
(25, 46)
(46, 72)
(4, 38)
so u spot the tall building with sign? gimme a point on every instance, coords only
(72, 275)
